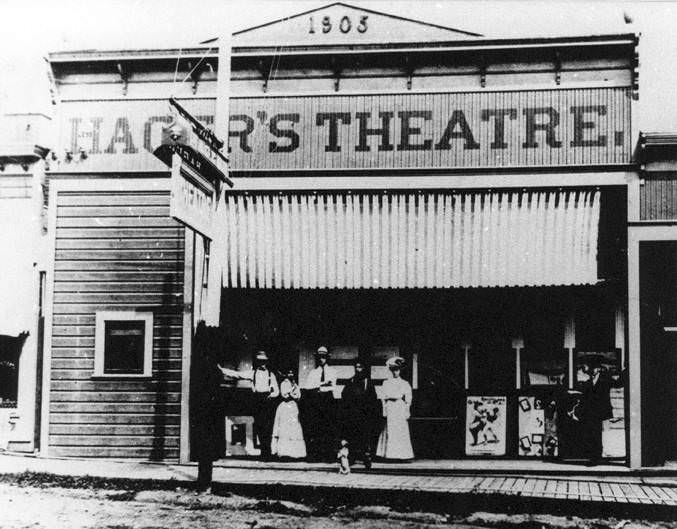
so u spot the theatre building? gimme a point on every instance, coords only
(399, 188)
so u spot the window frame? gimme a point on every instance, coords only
(100, 342)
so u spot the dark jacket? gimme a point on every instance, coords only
(207, 418)
(597, 398)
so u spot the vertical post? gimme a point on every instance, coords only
(217, 247)
(570, 345)
(518, 345)
(466, 366)
(619, 332)
(187, 343)
(634, 361)
(414, 371)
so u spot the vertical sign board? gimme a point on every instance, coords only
(192, 198)
(198, 170)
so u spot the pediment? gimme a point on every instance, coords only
(341, 24)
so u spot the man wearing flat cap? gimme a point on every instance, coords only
(320, 420)
(265, 390)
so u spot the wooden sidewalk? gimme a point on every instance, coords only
(629, 489)
(623, 489)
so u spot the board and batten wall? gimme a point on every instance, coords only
(658, 196)
(114, 249)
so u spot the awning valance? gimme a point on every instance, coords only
(412, 240)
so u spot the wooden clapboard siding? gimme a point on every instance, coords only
(104, 418)
(86, 374)
(115, 250)
(658, 196)
(143, 430)
(127, 452)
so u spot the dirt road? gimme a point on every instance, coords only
(47, 507)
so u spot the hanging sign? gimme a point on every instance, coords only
(193, 198)
(199, 170)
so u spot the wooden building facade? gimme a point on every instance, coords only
(459, 200)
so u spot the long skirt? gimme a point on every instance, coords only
(287, 433)
(395, 441)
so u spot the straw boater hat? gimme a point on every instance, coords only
(396, 362)
(261, 356)
(322, 351)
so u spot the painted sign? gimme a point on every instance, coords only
(393, 131)
(485, 426)
(192, 198)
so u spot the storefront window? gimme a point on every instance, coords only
(9, 380)
(544, 367)
(10, 353)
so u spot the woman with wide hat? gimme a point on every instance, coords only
(394, 443)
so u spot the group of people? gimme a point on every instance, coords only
(291, 423)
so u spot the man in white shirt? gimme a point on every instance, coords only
(321, 416)
(265, 390)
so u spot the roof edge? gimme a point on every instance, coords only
(478, 43)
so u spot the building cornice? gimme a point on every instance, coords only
(475, 44)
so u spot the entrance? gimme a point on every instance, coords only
(658, 332)
(468, 351)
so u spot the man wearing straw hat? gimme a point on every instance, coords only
(320, 423)
(265, 389)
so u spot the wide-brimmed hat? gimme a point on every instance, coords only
(322, 351)
(261, 356)
(396, 362)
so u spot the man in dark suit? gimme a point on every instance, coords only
(207, 416)
(596, 407)
(361, 414)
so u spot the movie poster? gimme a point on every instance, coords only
(485, 426)
(537, 428)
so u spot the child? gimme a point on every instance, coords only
(342, 457)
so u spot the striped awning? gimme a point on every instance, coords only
(412, 240)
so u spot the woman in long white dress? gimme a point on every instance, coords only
(395, 440)
(287, 438)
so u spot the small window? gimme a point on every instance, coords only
(124, 344)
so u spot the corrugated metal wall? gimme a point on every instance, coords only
(426, 240)
(115, 251)
(658, 196)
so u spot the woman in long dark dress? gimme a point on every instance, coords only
(361, 415)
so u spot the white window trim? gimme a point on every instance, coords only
(100, 339)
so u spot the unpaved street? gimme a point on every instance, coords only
(61, 508)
